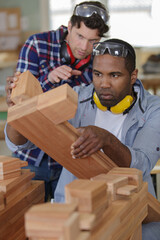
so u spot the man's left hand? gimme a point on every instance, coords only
(90, 140)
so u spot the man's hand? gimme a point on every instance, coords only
(10, 84)
(14, 136)
(91, 140)
(63, 72)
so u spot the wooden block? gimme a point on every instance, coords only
(33, 194)
(9, 175)
(87, 221)
(127, 190)
(13, 213)
(136, 200)
(27, 86)
(65, 226)
(10, 167)
(60, 108)
(23, 182)
(90, 196)
(70, 230)
(113, 183)
(123, 219)
(47, 220)
(8, 186)
(9, 163)
(134, 175)
(58, 138)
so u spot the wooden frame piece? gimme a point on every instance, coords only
(43, 120)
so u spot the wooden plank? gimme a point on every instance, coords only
(10, 174)
(8, 163)
(9, 185)
(10, 167)
(54, 139)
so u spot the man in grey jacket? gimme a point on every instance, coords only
(117, 116)
(129, 132)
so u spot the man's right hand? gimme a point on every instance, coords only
(63, 72)
(10, 84)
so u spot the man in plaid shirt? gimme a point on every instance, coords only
(55, 58)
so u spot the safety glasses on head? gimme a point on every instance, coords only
(114, 49)
(86, 10)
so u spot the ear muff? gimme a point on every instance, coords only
(81, 64)
(67, 55)
(121, 107)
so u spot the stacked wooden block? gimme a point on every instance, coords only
(109, 206)
(18, 192)
(54, 221)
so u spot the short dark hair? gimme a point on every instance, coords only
(93, 22)
(130, 59)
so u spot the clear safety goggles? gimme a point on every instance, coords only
(85, 10)
(114, 49)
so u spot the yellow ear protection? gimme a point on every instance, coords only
(122, 107)
(68, 58)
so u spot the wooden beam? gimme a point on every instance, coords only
(42, 120)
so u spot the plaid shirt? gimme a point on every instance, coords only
(41, 54)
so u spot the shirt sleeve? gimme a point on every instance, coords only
(13, 147)
(145, 150)
(29, 59)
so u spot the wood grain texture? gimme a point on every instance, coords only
(27, 86)
(42, 120)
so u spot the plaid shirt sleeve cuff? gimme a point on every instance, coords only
(46, 84)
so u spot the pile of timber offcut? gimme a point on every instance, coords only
(18, 192)
(110, 206)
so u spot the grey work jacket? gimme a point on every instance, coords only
(140, 133)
